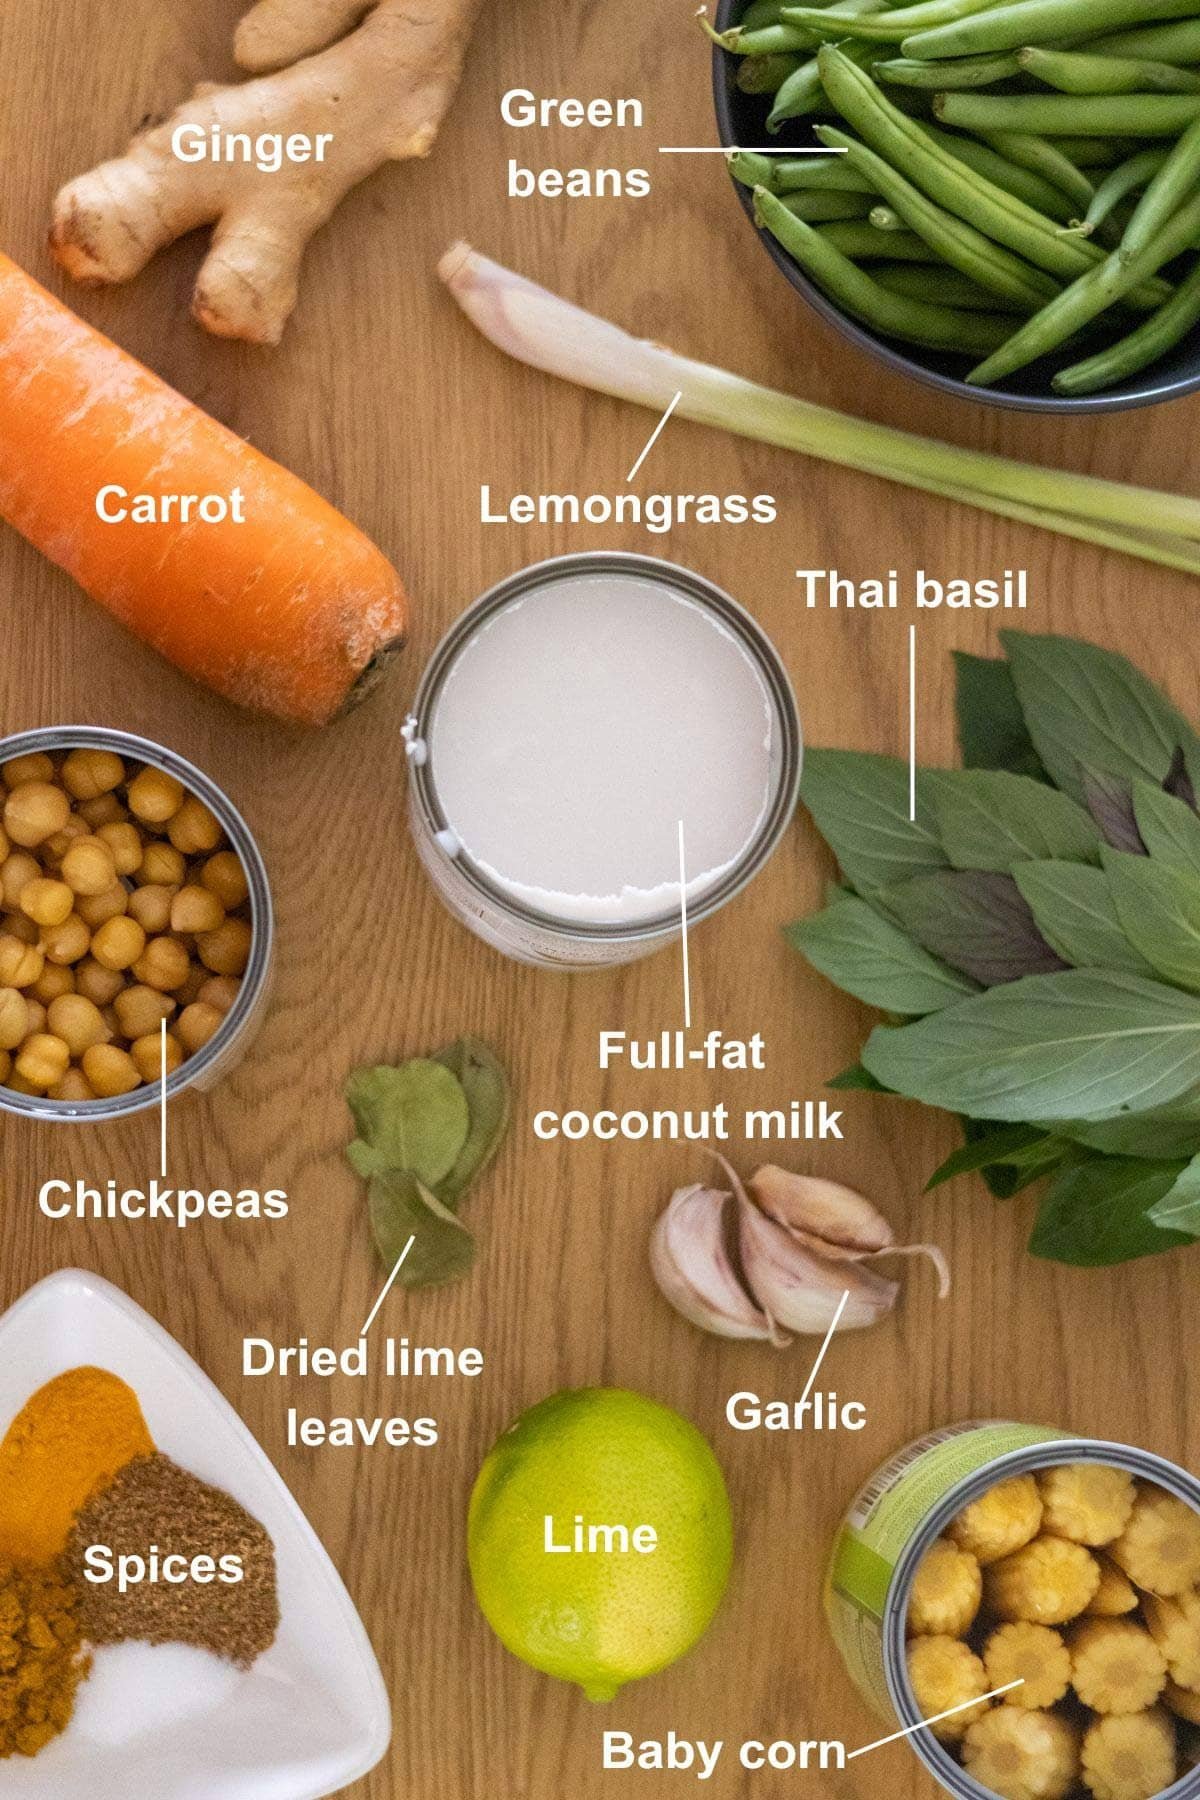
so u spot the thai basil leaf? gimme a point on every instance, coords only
(1179, 783)
(1169, 828)
(1164, 1131)
(1098, 1213)
(1159, 910)
(1073, 909)
(861, 807)
(974, 920)
(1081, 1044)
(402, 1207)
(867, 956)
(992, 733)
(1087, 707)
(1110, 802)
(988, 819)
(1022, 1152)
(1179, 1209)
(414, 1117)
(856, 1079)
(484, 1082)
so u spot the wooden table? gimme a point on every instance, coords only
(385, 400)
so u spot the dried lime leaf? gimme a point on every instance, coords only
(413, 1118)
(402, 1207)
(484, 1082)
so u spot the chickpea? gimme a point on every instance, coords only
(151, 907)
(36, 767)
(95, 909)
(17, 1084)
(35, 1017)
(73, 1086)
(163, 964)
(97, 983)
(220, 991)
(5, 1067)
(190, 991)
(54, 980)
(141, 1010)
(89, 773)
(5, 846)
(125, 843)
(162, 866)
(194, 828)
(197, 1024)
(106, 809)
(20, 925)
(154, 796)
(89, 866)
(109, 1015)
(118, 944)
(68, 942)
(147, 1053)
(14, 1018)
(47, 902)
(195, 909)
(43, 1060)
(34, 811)
(20, 964)
(78, 1022)
(55, 848)
(226, 951)
(224, 876)
(16, 872)
(110, 1071)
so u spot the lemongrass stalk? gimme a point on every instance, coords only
(537, 327)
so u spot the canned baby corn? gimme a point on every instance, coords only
(1063, 1570)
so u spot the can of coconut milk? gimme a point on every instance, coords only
(893, 1522)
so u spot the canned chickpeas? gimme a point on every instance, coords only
(132, 898)
(1032, 1599)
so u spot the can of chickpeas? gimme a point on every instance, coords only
(182, 935)
(1063, 1571)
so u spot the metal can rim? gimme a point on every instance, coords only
(53, 738)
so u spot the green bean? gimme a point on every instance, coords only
(945, 287)
(1046, 160)
(766, 74)
(1162, 43)
(804, 93)
(760, 13)
(1124, 180)
(956, 242)
(817, 208)
(1087, 298)
(1072, 73)
(859, 240)
(1060, 115)
(885, 219)
(997, 169)
(1178, 177)
(1011, 27)
(892, 315)
(965, 72)
(1097, 153)
(768, 40)
(1152, 339)
(787, 174)
(893, 26)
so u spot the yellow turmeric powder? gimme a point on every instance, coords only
(64, 1446)
(41, 1658)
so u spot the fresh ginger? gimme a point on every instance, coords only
(351, 102)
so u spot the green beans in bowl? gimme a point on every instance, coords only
(1001, 197)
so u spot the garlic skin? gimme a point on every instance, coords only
(835, 1222)
(802, 1290)
(691, 1264)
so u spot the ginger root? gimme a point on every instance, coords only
(380, 94)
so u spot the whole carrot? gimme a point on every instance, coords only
(281, 605)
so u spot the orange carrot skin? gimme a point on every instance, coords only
(287, 612)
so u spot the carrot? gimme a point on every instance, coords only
(293, 611)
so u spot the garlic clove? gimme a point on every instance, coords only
(822, 1210)
(800, 1289)
(691, 1264)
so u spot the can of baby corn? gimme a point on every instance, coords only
(897, 1517)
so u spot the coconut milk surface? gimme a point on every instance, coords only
(580, 724)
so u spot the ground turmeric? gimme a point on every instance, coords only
(64, 1446)
(42, 1661)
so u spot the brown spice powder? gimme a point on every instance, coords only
(154, 1503)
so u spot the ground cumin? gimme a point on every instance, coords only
(41, 1657)
(67, 1442)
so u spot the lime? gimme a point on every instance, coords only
(600, 1537)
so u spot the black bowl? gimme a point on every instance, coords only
(741, 120)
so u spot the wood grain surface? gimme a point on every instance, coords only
(384, 399)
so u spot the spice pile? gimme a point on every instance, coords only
(1082, 1586)
(121, 907)
(79, 1469)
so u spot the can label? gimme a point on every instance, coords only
(883, 1520)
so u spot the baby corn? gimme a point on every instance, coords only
(946, 1593)
(1116, 1666)
(1182, 1702)
(1022, 1755)
(1159, 1549)
(1033, 1655)
(1004, 1519)
(1089, 1503)
(1175, 1627)
(944, 1674)
(1129, 1756)
(1116, 1594)
(1047, 1583)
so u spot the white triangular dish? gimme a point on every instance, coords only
(312, 1715)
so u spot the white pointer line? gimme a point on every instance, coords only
(654, 437)
(936, 1720)
(387, 1288)
(163, 1103)
(912, 724)
(751, 150)
(816, 1368)
(683, 914)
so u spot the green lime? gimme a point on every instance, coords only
(600, 1537)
